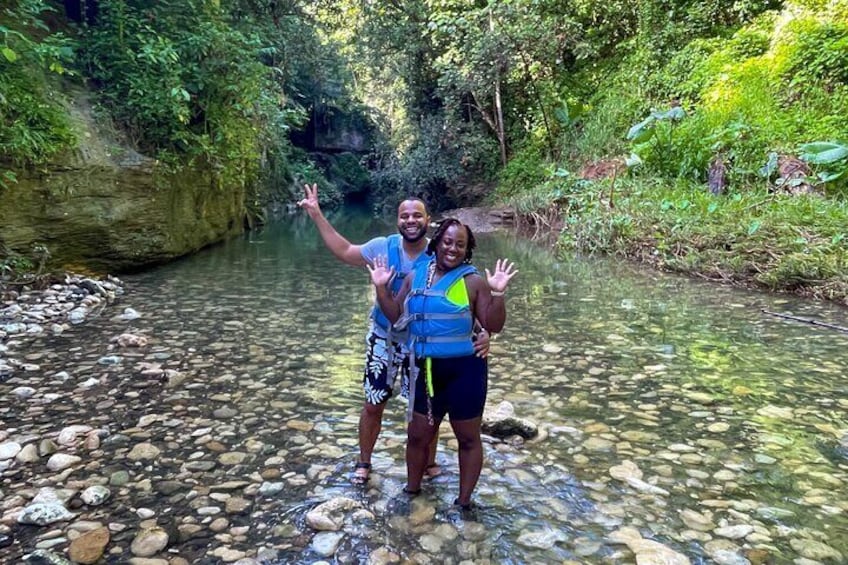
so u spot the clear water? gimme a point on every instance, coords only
(727, 411)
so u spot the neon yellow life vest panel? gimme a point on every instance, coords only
(458, 293)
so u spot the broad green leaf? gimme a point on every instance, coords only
(633, 160)
(827, 176)
(712, 207)
(10, 55)
(822, 153)
(641, 131)
(837, 238)
(755, 225)
(675, 113)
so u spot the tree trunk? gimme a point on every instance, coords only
(498, 106)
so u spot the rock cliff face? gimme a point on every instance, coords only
(108, 208)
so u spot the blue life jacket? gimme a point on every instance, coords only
(437, 326)
(395, 249)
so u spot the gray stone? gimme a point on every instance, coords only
(44, 513)
(95, 495)
(325, 544)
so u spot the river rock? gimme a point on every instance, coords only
(817, 550)
(325, 544)
(129, 315)
(29, 454)
(68, 435)
(23, 392)
(149, 541)
(60, 461)
(95, 495)
(330, 515)
(696, 520)
(9, 450)
(383, 556)
(143, 451)
(131, 340)
(89, 547)
(734, 532)
(545, 539)
(44, 513)
(501, 422)
(625, 470)
(77, 315)
(45, 557)
(648, 552)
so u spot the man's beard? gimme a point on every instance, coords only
(422, 233)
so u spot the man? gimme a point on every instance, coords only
(384, 358)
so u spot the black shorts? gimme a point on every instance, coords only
(459, 387)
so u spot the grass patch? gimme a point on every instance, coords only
(754, 238)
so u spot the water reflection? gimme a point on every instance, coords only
(730, 419)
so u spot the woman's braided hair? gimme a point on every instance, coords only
(440, 233)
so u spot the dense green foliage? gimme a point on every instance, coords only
(189, 78)
(717, 103)
(663, 96)
(33, 123)
(180, 80)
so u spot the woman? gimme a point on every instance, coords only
(440, 301)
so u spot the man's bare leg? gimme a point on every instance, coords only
(370, 424)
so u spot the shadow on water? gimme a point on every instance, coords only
(668, 405)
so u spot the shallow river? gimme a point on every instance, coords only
(666, 405)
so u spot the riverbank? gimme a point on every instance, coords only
(780, 242)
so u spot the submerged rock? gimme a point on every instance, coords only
(501, 422)
(330, 515)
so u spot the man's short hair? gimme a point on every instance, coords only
(416, 199)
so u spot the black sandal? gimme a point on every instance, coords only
(464, 507)
(411, 492)
(358, 477)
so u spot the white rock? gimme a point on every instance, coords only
(23, 392)
(330, 515)
(625, 470)
(325, 544)
(544, 539)
(60, 461)
(734, 532)
(44, 513)
(95, 495)
(9, 449)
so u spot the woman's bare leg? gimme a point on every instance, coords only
(419, 438)
(470, 456)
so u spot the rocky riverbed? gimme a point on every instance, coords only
(209, 415)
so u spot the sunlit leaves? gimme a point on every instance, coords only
(9, 54)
